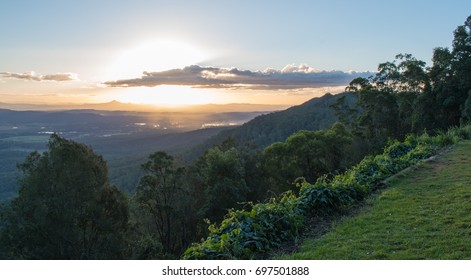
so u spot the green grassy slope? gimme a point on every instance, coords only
(424, 214)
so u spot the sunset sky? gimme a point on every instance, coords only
(197, 52)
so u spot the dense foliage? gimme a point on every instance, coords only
(66, 208)
(162, 203)
(246, 234)
(308, 154)
(406, 97)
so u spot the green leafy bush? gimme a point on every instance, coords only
(246, 234)
(462, 132)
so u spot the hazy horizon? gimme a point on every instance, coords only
(171, 54)
(115, 105)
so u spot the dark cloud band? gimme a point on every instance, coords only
(290, 77)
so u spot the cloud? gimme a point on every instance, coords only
(290, 77)
(32, 76)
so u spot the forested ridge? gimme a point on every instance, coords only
(315, 114)
(66, 207)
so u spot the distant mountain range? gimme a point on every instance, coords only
(118, 106)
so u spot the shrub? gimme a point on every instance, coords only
(247, 234)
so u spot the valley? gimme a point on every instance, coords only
(123, 138)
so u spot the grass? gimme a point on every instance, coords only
(425, 214)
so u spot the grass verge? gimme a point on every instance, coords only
(425, 214)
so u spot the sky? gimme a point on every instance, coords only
(176, 53)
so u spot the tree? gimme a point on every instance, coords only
(379, 118)
(345, 112)
(224, 182)
(66, 208)
(164, 202)
(308, 154)
(461, 67)
(451, 79)
(394, 102)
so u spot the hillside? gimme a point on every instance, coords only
(315, 114)
(424, 214)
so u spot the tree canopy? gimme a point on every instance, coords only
(163, 204)
(66, 207)
(406, 97)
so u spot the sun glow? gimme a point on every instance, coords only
(152, 56)
(171, 96)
